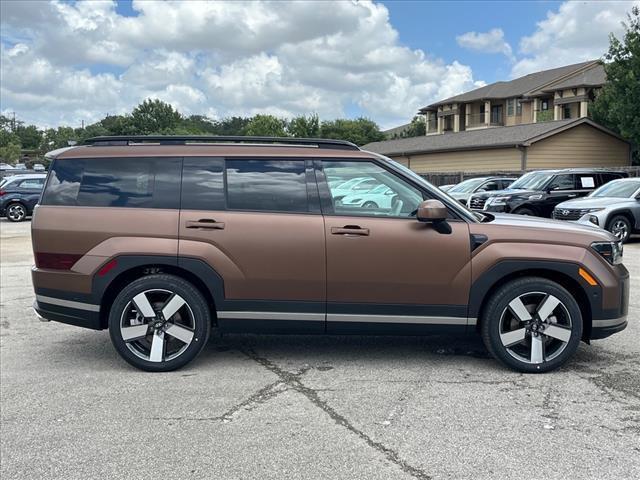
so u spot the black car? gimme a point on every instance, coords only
(19, 194)
(537, 193)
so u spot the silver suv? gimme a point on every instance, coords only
(615, 206)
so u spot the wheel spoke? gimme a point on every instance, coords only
(172, 306)
(546, 308)
(537, 349)
(135, 332)
(519, 310)
(563, 334)
(143, 306)
(511, 338)
(157, 347)
(181, 333)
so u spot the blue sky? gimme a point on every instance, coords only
(65, 62)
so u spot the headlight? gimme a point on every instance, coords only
(591, 210)
(610, 251)
(498, 200)
(535, 197)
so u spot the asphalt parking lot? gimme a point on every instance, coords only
(307, 407)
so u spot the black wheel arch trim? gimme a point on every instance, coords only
(508, 268)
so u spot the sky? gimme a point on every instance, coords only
(67, 62)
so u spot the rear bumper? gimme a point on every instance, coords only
(69, 312)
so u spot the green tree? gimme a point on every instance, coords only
(266, 126)
(617, 106)
(10, 153)
(417, 128)
(231, 126)
(359, 131)
(118, 125)
(155, 116)
(304, 127)
(30, 137)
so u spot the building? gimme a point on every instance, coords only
(536, 121)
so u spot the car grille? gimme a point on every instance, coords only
(569, 213)
(477, 203)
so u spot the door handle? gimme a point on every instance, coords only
(207, 223)
(349, 230)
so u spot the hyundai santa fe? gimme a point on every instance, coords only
(161, 239)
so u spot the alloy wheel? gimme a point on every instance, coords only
(620, 229)
(16, 212)
(157, 325)
(535, 327)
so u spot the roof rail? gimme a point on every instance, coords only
(199, 139)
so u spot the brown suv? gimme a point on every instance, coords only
(159, 239)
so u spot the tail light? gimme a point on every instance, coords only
(56, 261)
(2, 192)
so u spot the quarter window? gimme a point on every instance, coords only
(267, 185)
(115, 182)
(366, 189)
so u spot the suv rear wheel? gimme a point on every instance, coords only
(532, 325)
(159, 323)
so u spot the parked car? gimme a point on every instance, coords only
(19, 195)
(446, 188)
(252, 239)
(537, 193)
(38, 167)
(353, 185)
(379, 197)
(463, 190)
(615, 206)
(5, 166)
(20, 166)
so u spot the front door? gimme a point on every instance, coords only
(387, 272)
(259, 227)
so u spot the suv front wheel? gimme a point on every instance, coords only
(532, 325)
(159, 323)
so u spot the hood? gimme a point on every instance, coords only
(503, 193)
(559, 230)
(460, 196)
(593, 202)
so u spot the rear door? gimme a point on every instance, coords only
(386, 272)
(257, 223)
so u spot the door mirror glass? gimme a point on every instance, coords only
(431, 211)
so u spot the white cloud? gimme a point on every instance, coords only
(576, 32)
(64, 62)
(487, 42)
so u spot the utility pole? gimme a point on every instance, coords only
(83, 124)
(13, 123)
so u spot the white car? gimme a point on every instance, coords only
(379, 197)
(355, 185)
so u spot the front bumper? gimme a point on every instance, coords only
(606, 322)
(605, 328)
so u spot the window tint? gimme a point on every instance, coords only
(607, 177)
(203, 184)
(489, 186)
(562, 182)
(386, 194)
(267, 185)
(115, 182)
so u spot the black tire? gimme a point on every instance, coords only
(498, 312)
(370, 205)
(193, 316)
(16, 212)
(525, 211)
(621, 227)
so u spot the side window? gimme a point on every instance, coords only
(386, 195)
(32, 183)
(203, 184)
(506, 183)
(267, 185)
(607, 177)
(115, 182)
(489, 186)
(586, 182)
(562, 182)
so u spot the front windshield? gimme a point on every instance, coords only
(617, 189)
(531, 181)
(467, 186)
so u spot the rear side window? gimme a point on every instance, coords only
(203, 183)
(32, 183)
(607, 177)
(586, 181)
(267, 185)
(115, 182)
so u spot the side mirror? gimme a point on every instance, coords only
(434, 212)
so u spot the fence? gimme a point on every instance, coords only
(448, 178)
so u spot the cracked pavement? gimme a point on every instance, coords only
(303, 407)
